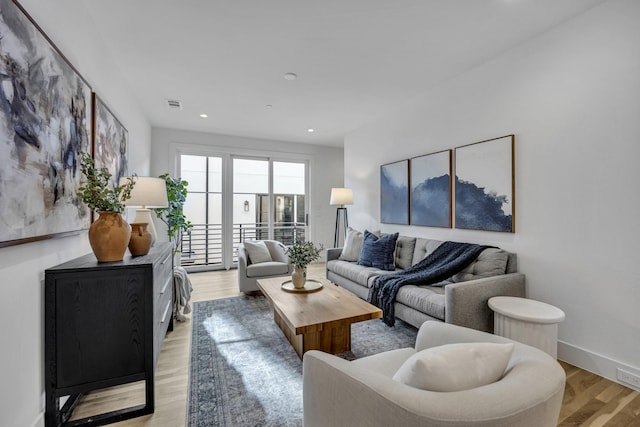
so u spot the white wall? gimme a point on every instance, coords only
(22, 267)
(572, 98)
(325, 166)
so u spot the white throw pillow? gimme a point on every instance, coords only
(258, 251)
(455, 367)
(353, 244)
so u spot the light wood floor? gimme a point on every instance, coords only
(589, 400)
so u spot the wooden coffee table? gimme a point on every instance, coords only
(318, 320)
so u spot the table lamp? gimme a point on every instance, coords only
(148, 192)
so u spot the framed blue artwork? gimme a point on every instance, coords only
(485, 185)
(394, 193)
(431, 189)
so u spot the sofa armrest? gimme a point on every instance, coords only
(243, 258)
(333, 253)
(466, 303)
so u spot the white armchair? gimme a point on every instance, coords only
(249, 272)
(338, 392)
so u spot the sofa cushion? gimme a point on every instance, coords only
(425, 299)
(455, 367)
(257, 251)
(354, 272)
(377, 251)
(490, 262)
(270, 268)
(423, 248)
(404, 251)
(353, 244)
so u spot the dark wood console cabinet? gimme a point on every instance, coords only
(104, 326)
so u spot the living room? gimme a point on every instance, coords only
(571, 97)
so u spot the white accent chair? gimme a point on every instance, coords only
(338, 392)
(249, 272)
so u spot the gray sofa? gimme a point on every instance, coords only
(461, 301)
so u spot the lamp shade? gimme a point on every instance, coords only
(148, 192)
(341, 196)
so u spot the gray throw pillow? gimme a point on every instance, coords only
(490, 262)
(404, 251)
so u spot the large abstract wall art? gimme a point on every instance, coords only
(431, 189)
(394, 193)
(484, 187)
(111, 141)
(45, 122)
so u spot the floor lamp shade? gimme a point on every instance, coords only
(341, 197)
(148, 192)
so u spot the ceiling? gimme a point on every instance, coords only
(355, 59)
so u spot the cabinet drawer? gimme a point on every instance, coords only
(162, 270)
(162, 298)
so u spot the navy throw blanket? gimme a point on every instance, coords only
(448, 259)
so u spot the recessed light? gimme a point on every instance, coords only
(311, 130)
(204, 116)
(290, 76)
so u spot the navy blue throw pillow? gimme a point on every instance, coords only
(378, 251)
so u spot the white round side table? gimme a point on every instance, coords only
(527, 321)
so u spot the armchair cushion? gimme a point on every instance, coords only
(258, 251)
(265, 269)
(455, 367)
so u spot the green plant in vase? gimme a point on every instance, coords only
(301, 254)
(109, 234)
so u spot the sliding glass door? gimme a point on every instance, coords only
(236, 198)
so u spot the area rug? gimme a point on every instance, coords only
(244, 372)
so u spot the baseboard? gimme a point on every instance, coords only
(595, 363)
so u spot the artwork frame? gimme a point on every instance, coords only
(45, 123)
(110, 141)
(431, 189)
(394, 193)
(485, 185)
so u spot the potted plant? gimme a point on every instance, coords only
(109, 234)
(173, 215)
(301, 254)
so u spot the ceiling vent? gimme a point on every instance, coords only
(174, 104)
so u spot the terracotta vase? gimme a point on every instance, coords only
(109, 237)
(140, 241)
(299, 277)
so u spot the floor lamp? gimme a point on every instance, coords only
(341, 197)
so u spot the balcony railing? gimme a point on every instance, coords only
(203, 246)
